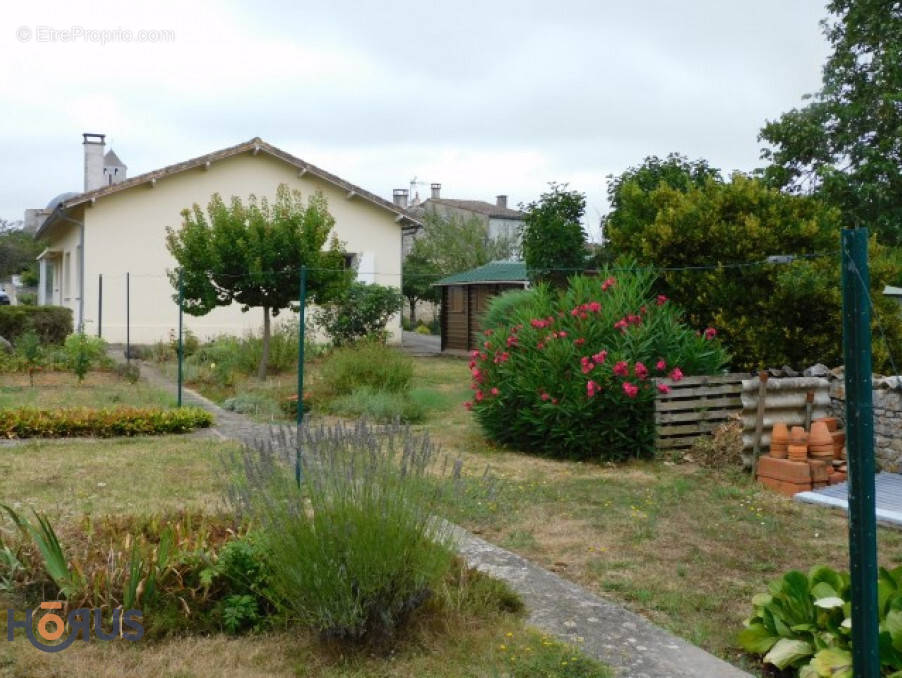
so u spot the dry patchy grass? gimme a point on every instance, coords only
(61, 389)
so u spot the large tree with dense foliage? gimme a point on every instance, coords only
(718, 235)
(631, 210)
(553, 239)
(18, 250)
(250, 253)
(846, 144)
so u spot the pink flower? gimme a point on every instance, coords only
(474, 354)
(575, 312)
(537, 323)
(630, 390)
(554, 401)
(505, 356)
(468, 405)
(661, 300)
(545, 396)
(484, 356)
(710, 333)
(579, 342)
(676, 374)
(600, 357)
(587, 365)
(479, 396)
(622, 369)
(594, 306)
(634, 319)
(621, 325)
(663, 388)
(475, 371)
(471, 364)
(487, 344)
(640, 370)
(592, 388)
(488, 333)
(562, 333)
(643, 310)
(662, 365)
(583, 315)
(511, 341)
(495, 390)
(607, 284)
(540, 346)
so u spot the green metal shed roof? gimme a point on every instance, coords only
(494, 272)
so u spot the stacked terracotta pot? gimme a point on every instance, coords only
(801, 460)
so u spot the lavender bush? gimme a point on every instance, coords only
(356, 547)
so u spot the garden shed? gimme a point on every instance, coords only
(465, 297)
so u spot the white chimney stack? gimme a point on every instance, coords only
(94, 146)
(501, 201)
(399, 197)
(436, 191)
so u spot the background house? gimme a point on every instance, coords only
(116, 226)
(465, 297)
(498, 218)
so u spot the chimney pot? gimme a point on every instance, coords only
(399, 197)
(501, 201)
(436, 191)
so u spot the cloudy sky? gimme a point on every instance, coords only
(485, 97)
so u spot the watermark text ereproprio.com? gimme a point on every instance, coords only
(98, 36)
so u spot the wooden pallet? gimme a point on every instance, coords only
(695, 406)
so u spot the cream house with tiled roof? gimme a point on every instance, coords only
(111, 237)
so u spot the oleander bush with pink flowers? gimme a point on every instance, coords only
(571, 372)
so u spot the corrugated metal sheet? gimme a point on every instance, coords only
(784, 401)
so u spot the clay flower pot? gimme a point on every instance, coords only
(798, 436)
(780, 433)
(820, 435)
(831, 423)
(778, 451)
(797, 452)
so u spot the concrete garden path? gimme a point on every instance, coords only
(631, 645)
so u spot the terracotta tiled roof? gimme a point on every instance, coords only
(255, 145)
(478, 206)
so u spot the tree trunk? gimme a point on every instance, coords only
(264, 357)
(413, 312)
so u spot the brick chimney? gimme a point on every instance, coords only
(501, 201)
(94, 146)
(436, 191)
(399, 197)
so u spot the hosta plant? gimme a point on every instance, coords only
(571, 373)
(803, 624)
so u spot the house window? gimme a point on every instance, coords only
(351, 261)
(456, 299)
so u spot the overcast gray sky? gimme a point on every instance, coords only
(485, 97)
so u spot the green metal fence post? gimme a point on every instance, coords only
(302, 302)
(181, 348)
(128, 318)
(100, 304)
(860, 447)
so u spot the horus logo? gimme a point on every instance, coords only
(80, 622)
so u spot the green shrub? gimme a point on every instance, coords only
(51, 323)
(802, 624)
(84, 352)
(26, 422)
(367, 363)
(28, 348)
(381, 406)
(423, 329)
(128, 371)
(28, 299)
(572, 376)
(363, 310)
(162, 352)
(503, 306)
(356, 548)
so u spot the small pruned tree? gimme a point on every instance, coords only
(417, 276)
(361, 311)
(251, 253)
(553, 238)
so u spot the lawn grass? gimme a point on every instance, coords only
(684, 546)
(61, 389)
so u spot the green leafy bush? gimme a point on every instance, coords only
(503, 306)
(51, 323)
(84, 352)
(252, 403)
(28, 348)
(363, 310)
(423, 329)
(363, 364)
(381, 406)
(803, 623)
(572, 375)
(26, 422)
(356, 548)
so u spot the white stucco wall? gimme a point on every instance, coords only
(125, 232)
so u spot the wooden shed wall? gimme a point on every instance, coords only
(462, 309)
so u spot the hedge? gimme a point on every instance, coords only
(51, 323)
(27, 422)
